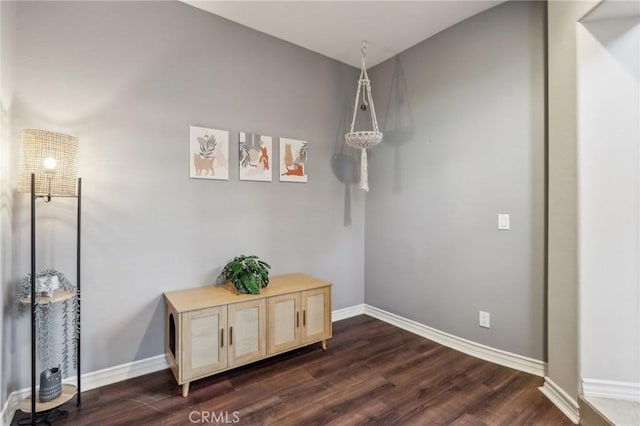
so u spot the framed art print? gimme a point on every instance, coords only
(293, 160)
(208, 153)
(255, 157)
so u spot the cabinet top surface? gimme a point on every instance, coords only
(224, 294)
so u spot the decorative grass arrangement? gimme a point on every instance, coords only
(45, 323)
(247, 273)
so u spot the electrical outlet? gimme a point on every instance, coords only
(484, 319)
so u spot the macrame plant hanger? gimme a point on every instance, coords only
(368, 138)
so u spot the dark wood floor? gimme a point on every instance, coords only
(371, 373)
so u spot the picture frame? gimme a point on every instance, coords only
(255, 157)
(293, 160)
(208, 153)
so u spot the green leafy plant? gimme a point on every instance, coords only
(247, 273)
(302, 153)
(245, 159)
(45, 326)
(207, 146)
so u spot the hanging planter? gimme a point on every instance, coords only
(367, 138)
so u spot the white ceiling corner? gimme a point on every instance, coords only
(336, 28)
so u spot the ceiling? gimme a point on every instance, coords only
(337, 28)
(613, 9)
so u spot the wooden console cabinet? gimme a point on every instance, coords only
(212, 329)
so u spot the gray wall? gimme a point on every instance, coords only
(433, 251)
(128, 79)
(7, 62)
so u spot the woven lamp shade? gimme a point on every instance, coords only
(52, 157)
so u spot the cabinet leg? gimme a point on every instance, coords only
(324, 345)
(185, 389)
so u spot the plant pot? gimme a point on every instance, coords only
(50, 384)
(47, 285)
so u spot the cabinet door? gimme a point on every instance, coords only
(316, 314)
(203, 342)
(247, 332)
(284, 322)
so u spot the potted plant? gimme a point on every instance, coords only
(49, 282)
(247, 273)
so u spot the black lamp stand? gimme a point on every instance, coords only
(44, 416)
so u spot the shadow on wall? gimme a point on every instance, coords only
(608, 33)
(345, 164)
(7, 327)
(11, 362)
(151, 321)
(398, 126)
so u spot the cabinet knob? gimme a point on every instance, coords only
(297, 319)
(222, 337)
(230, 336)
(304, 318)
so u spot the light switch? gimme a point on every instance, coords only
(503, 222)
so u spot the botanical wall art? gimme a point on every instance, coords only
(255, 157)
(209, 153)
(293, 160)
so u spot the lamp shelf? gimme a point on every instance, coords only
(48, 165)
(68, 392)
(58, 296)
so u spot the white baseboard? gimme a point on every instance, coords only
(348, 312)
(92, 380)
(561, 399)
(133, 369)
(487, 353)
(596, 388)
(122, 372)
(9, 409)
(107, 376)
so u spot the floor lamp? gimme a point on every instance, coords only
(48, 168)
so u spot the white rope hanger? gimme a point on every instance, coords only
(368, 138)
